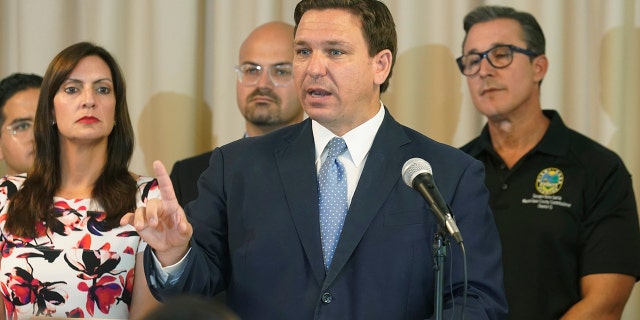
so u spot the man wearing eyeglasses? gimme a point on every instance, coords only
(265, 95)
(18, 102)
(564, 205)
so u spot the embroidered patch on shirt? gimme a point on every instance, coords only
(549, 181)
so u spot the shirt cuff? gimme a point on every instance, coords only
(169, 275)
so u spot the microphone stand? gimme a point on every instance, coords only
(440, 243)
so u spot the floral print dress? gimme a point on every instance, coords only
(79, 269)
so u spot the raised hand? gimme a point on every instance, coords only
(162, 223)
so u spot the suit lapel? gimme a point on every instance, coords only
(381, 172)
(296, 164)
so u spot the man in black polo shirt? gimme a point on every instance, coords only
(564, 204)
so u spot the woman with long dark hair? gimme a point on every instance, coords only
(64, 253)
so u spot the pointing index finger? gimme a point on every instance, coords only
(164, 182)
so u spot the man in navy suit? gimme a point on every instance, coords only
(266, 97)
(254, 228)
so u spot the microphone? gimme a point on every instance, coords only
(417, 174)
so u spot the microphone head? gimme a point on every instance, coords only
(414, 167)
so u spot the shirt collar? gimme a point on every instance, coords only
(553, 141)
(358, 139)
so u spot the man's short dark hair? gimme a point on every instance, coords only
(15, 83)
(533, 35)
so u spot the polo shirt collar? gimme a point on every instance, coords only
(553, 142)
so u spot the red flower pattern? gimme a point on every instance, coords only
(103, 293)
(23, 289)
(76, 267)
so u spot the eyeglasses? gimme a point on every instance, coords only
(21, 130)
(280, 74)
(499, 57)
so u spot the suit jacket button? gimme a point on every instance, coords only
(326, 297)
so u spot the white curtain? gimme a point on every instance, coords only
(178, 58)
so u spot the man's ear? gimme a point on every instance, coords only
(540, 67)
(382, 63)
